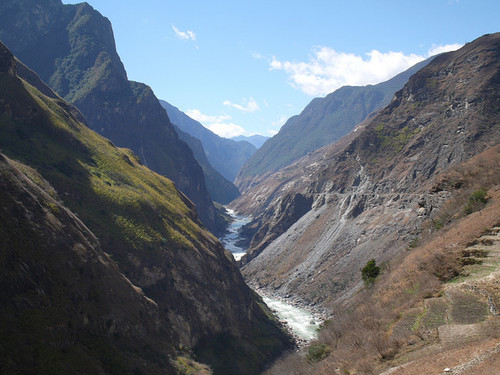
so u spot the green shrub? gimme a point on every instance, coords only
(477, 200)
(317, 352)
(370, 272)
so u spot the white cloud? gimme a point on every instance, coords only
(280, 122)
(272, 132)
(250, 106)
(446, 48)
(220, 125)
(226, 130)
(185, 35)
(198, 116)
(327, 70)
(258, 56)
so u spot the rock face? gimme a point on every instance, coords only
(193, 296)
(226, 155)
(372, 189)
(322, 122)
(72, 48)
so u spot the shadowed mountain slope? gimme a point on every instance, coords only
(66, 307)
(72, 48)
(149, 229)
(226, 155)
(220, 189)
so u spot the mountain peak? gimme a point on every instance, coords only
(7, 64)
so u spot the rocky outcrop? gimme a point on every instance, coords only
(372, 189)
(288, 210)
(72, 48)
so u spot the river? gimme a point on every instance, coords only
(229, 239)
(301, 322)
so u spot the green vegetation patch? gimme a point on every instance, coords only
(476, 202)
(317, 352)
(106, 186)
(370, 272)
(186, 366)
(394, 140)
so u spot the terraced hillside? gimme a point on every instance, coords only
(464, 321)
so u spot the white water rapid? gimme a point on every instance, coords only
(301, 322)
(229, 239)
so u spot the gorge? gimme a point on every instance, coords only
(134, 240)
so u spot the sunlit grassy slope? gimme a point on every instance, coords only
(108, 185)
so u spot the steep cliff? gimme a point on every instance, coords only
(72, 48)
(373, 189)
(66, 307)
(148, 227)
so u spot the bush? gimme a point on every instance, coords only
(477, 200)
(317, 352)
(370, 272)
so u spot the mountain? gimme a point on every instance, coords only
(105, 266)
(220, 189)
(257, 140)
(72, 48)
(317, 222)
(226, 155)
(66, 308)
(323, 121)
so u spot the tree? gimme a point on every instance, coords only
(370, 272)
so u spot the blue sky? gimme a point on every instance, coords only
(244, 67)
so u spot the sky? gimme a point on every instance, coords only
(244, 67)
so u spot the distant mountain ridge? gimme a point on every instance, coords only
(226, 155)
(72, 48)
(257, 140)
(323, 121)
